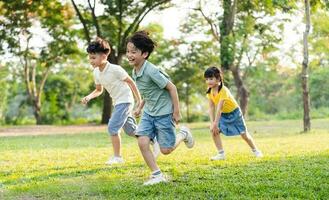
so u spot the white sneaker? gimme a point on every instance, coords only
(258, 153)
(156, 149)
(219, 156)
(189, 141)
(155, 179)
(114, 160)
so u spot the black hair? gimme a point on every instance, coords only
(143, 42)
(99, 46)
(214, 72)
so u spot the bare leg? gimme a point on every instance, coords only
(144, 146)
(247, 137)
(217, 141)
(116, 143)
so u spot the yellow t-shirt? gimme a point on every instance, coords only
(224, 94)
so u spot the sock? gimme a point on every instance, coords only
(180, 136)
(221, 151)
(253, 150)
(156, 172)
(182, 133)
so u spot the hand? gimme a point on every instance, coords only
(85, 100)
(137, 112)
(176, 117)
(214, 128)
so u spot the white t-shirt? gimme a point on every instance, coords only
(111, 78)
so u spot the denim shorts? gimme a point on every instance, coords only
(160, 127)
(121, 118)
(231, 124)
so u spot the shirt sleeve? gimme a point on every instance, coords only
(121, 73)
(224, 94)
(158, 78)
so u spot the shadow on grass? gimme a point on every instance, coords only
(299, 177)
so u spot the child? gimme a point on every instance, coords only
(160, 103)
(121, 88)
(225, 114)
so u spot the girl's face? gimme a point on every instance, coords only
(212, 82)
(135, 56)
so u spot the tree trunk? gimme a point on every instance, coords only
(107, 108)
(187, 104)
(37, 110)
(306, 97)
(242, 91)
(228, 54)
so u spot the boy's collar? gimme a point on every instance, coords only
(141, 71)
(105, 67)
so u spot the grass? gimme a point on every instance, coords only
(296, 166)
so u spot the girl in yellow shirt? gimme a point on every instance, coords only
(225, 114)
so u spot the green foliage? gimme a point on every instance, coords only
(319, 81)
(319, 39)
(3, 91)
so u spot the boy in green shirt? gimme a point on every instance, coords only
(160, 103)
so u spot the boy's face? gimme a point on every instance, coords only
(135, 56)
(97, 59)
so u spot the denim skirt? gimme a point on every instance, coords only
(231, 124)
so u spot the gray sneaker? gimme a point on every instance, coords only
(189, 141)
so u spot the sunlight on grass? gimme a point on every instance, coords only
(72, 167)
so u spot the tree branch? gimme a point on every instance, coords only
(134, 25)
(213, 27)
(82, 20)
(92, 8)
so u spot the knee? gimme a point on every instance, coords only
(143, 143)
(165, 151)
(214, 134)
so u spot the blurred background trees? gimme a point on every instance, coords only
(44, 70)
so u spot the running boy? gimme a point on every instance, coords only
(160, 103)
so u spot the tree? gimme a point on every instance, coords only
(305, 86)
(119, 20)
(22, 23)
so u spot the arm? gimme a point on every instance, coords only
(211, 110)
(134, 90)
(218, 113)
(98, 91)
(174, 97)
(140, 103)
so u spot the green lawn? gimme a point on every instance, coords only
(296, 166)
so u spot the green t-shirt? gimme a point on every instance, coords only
(151, 83)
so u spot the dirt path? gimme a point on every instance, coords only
(49, 130)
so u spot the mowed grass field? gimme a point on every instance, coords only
(295, 166)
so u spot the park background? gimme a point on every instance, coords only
(52, 147)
